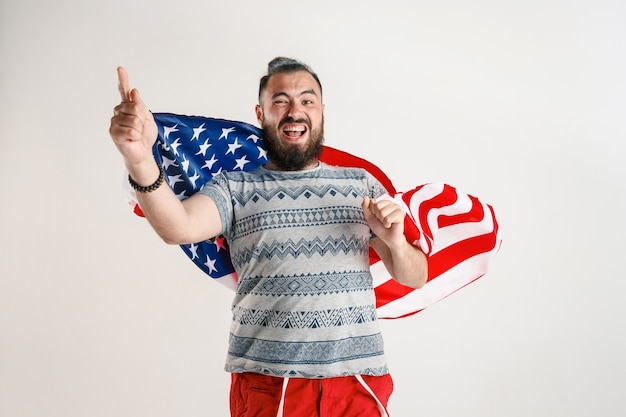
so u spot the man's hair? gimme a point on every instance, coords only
(285, 65)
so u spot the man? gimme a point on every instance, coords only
(304, 339)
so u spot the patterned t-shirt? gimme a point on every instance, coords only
(304, 305)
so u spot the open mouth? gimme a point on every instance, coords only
(294, 131)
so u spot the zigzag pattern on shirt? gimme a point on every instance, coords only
(344, 316)
(303, 247)
(306, 353)
(333, 173)
(299, 217)
(305, 191)
(306, 284)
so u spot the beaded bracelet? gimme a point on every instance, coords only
(149, 188)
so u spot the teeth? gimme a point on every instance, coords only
(294, 129)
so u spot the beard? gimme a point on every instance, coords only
(293, 157)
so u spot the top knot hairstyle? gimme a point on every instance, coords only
(285, 65)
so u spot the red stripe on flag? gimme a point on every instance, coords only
(390, 291)
(456, 253)
(447, 258)
(137, 210)
(333, 156)
(476, 214)
(446, 197)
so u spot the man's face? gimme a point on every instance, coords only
(291, 114)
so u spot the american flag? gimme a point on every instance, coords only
(458, 233)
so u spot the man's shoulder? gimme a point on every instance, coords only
(346, 172)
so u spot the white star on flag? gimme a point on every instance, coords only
(225, 132)
(197, 131)
(193, 248)
(175, 146)
(241, 162)
(168, 163)
(233, 147)
(210, 263)
(208, 163)
(194, 178)
(206, 145)
(173, 179)
(185, 163)
(168, 130)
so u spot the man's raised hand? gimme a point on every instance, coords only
(133, 129)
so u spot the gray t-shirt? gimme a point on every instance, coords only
(304, 305)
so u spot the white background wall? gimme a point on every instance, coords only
(520, 103)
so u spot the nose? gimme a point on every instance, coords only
(295, 111)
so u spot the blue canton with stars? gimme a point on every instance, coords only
(192, 150)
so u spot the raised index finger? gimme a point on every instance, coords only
(124, 84)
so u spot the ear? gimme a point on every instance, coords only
(259, 114)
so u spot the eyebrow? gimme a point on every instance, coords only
(282, 93)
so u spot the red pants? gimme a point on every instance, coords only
(255, 395)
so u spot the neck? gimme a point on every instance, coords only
(272, 166)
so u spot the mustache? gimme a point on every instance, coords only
(290, 119)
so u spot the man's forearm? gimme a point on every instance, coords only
(409, 264)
